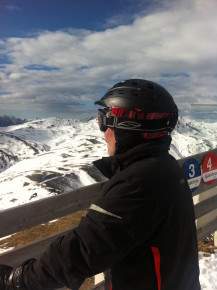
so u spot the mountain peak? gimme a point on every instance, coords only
(10, 120)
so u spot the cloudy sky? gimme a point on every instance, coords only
(58, 57)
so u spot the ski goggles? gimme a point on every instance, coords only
(135, 120)
(105, 119)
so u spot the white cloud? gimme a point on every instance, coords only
(176, 46)
(12, 7)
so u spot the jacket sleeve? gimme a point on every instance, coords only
(101, 239)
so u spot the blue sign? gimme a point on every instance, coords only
(192, 172)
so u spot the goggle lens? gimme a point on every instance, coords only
(102, 119)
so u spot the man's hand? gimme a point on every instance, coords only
(5, 272)
(12, 278)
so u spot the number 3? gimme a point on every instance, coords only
(192, 173)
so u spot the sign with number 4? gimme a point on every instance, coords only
(209, 168)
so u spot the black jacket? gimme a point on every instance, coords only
(143, 228)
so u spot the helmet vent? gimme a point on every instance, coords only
(135, 83)
(151, 98)
(150, 86)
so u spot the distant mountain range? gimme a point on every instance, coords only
(10, 120)
(49, 156)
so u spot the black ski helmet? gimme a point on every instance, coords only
(139, 105)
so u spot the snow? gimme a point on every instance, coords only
(65, 150)
(208, 271)
(46, 157)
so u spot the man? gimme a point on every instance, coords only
(143, 226)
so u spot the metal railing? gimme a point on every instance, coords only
(23, 217)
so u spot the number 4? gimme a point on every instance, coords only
(209, 164)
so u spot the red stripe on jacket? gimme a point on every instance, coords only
(156, 255)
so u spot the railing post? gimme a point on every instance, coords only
(215, 238)
(98, 278)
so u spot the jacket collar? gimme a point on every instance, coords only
(108, 166)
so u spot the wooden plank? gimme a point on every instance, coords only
(205, 206)
(215, 238)
(28, 215)
(32, 250)
(205, 195)
(207, 229)
(206, 219)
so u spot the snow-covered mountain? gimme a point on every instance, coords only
(50, 156)
(192, 137)
(47, 156)
(10, 120)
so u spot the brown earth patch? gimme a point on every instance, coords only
(207, 246)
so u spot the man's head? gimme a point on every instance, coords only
(135, 111)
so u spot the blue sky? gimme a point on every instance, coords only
(20, 17)
(58, 57)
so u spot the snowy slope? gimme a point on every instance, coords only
(193, 137)
(48, 156)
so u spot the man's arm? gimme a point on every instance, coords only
(99, 240)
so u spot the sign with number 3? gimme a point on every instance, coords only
(209, 168)
(192, 172)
